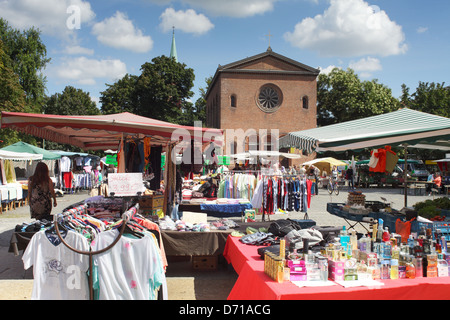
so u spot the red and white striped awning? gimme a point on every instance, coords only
(98, 132)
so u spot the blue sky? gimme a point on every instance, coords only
(96, 42)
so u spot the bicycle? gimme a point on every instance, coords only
(333, 185)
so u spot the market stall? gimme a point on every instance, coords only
(254, 284)
(138, 139)
(11, 190)
(404, 128)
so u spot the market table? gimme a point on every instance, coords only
(254, 284)
(187, 243)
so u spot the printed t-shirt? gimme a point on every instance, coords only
(59, 273)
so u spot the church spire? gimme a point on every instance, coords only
(173, 49)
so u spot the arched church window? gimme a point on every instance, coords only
(233, 101)
(305, 102)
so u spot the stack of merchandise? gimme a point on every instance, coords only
(379, 255)
(356, 197)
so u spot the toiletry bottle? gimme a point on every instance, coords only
(442, 266)
(444, 245)
(344, 238)
(384, 270)
(354, 240)
(386, 235)
(394, 269)
(395, 252)
(411, 244)
(386, 249)
(410, 270)
(380, 230)
(362, 244)
(418, 264)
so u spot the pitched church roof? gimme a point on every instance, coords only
(268, 62)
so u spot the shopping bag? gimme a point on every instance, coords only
(403, 228)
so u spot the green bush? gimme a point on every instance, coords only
(431, 208)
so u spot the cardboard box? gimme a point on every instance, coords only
(205, 262)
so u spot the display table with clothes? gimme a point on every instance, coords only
(254, 284)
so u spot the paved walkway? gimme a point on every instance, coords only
(183, 282)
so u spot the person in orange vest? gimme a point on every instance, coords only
(438, 181)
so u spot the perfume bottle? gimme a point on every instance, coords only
(394, 269)
(418, 265)
(410, 270)
(385, 270)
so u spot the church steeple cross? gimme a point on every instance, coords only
(269, 36)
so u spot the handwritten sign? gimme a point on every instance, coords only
(125, 184)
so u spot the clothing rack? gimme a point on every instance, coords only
(300, 178)
(126, 217)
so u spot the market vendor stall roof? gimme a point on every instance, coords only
(23, 147)
(19, 156)
(264, 154)
(404, 126)
(97, 132)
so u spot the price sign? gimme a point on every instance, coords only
(125, 184)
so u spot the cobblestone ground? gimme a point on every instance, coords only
(183, 282)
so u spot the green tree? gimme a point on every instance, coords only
(120, 96)
(163, 89)
(71, 101)
(12, 98)
(342, 96)
(431, 98)
(28, 56)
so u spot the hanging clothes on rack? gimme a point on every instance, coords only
(237, 186)
(275, 193)
(131, 270)
(59, 273)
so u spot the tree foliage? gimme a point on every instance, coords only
(342, 96)
(71, 101)
(28, 55)
(120, 96)
(431, 98)
(162, 91)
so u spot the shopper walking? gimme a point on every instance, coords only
(349, 176)
(40, 193)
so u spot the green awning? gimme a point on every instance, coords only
(28, 148)
(404, 126)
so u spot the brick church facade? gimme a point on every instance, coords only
(259, 94)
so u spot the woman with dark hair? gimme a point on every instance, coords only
(40, 192)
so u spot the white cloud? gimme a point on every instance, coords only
(78, 50)
(328, 69)
(422, 29)
(85, 71)
(50, 16)
(187, 21)
(349, 28)
(234, 8)
(119, 32)
(366, 66)
(228, 8)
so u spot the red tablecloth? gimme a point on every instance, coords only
(253, 284)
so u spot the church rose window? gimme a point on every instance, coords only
(269, 99)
